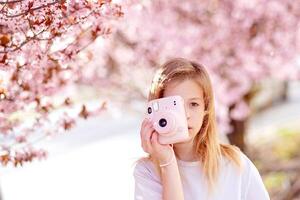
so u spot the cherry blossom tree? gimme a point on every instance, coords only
(47, 47)
(40, 42)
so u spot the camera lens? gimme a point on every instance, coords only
(162, 122)
(149, 110)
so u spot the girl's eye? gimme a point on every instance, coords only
(194, 104)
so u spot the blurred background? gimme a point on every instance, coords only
(73, 101)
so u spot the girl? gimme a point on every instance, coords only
(201, 168)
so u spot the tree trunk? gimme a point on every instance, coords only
(237, 136)
(284, 91)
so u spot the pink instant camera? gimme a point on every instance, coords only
(168, 118)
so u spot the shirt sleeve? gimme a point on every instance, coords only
(255, 187)
(146, 186)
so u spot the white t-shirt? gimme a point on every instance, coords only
(232, 184)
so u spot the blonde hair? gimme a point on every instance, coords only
(206, 143)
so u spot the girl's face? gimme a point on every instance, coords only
(192, 94)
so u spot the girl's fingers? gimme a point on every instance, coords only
(143, 129)
(155, 143)
(146, 132)
(154, 140)
(144, 122)
(148, 143)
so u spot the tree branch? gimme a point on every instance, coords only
(33, 9)
(6, 2)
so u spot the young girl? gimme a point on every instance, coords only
(201, 168)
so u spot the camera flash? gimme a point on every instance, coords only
(155, 106)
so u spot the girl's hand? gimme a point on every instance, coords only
(150, 144)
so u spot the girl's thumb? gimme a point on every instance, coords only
(154, 139)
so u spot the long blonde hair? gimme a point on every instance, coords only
(206, 143)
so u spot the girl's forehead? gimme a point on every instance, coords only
(188, 89)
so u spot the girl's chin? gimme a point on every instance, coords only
(185, 142)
